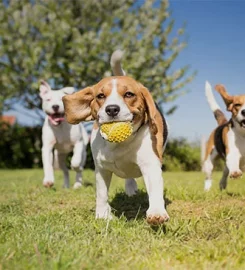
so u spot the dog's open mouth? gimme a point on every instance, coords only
(56, 118)
(242, 123)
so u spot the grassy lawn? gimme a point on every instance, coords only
(56, 229)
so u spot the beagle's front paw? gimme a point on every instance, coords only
(103, 212)
(48, 184)
(77, 185)
(156, 217)
(236, 174)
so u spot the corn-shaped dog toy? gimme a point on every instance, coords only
(116, 131)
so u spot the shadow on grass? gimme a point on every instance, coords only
(134, 207)
(87, 184)
(233, 194)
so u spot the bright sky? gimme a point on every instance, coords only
(216, 50)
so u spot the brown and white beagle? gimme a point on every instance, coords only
(121, 98)
(228, 139)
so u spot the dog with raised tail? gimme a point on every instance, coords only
(123, 99)
(131, 186)
(116, 59)
(58, 134)
(228, 139)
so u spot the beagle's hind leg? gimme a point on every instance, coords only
(207, 168)
(223, 180)
(130, 187)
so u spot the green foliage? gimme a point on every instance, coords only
(56, 228)
(20, 147)
(180, 155)
(70, 43)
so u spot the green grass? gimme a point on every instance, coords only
(56, 229)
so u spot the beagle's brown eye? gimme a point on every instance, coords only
(238, 105)
(100, 96)
(129, 94)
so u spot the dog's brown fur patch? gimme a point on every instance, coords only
(85, 104)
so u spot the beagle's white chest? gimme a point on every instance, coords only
(123, 159)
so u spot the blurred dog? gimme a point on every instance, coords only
(228, 139)
(121, 98)
(59, 134)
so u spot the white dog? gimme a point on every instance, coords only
(59, 134)
(121, 98)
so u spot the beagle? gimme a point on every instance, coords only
(228, 139)
(121, 98)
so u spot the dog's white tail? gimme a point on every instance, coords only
(116, 66)
(218, 114)
(210, 97)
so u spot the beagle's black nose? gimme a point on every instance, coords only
(112, 110)
(243, 112)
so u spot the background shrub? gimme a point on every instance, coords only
(180, 155)
(20, 147)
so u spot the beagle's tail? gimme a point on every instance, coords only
(116, 66)
(218, 114)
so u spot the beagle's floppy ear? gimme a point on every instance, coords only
(226, 97)
(77, 106)
(151, 109)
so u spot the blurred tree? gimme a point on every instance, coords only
(70, 43)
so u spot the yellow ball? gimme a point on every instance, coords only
(116, 131)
